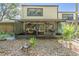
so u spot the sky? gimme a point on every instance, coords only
(70, 7)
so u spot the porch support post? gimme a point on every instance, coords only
(36, 29)
(24, 26)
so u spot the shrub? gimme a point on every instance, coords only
(68, 32)
(32, 41)
(4, 35)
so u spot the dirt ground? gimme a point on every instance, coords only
(44, 47)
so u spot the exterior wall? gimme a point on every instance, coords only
(11, 27)
(18, 28)
(60, 14)
(48, 12)
(6, 27)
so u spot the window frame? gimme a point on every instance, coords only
(35, 9)
(67, 16)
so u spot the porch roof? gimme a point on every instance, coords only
(41, 20)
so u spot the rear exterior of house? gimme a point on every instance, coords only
(39, 19)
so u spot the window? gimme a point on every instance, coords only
(34, 11)
(67, 16)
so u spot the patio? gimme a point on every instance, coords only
(44, 47)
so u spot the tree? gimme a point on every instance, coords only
(8, 11)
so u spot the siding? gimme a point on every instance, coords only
(18, 28)
(6, 27)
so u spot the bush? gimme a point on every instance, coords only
(32, 41)
(68, 32)
(5, 35)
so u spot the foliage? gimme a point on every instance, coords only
(68, 32)
(8, 11)
(32, 41)
(4, 35)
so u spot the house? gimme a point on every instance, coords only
(40, 20)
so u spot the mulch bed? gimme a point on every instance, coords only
(43, 48)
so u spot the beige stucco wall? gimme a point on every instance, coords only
(48, 12)
(60, 14)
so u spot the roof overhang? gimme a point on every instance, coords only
(66, 12)
(41, 5)
(41, 20)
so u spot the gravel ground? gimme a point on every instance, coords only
(44, 47)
